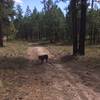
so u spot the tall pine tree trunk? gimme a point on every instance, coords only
(91, 34)
(82, 27)
(1, 13)
(92, 4)
(74, 26)
(1, 35)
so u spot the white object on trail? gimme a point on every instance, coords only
(34, 52)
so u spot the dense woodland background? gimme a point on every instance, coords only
(67, 75)
(81, 22)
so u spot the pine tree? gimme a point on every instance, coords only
(19, 17)
(28, 12)
(82, 27)
(6, 13)
(19, 12)
(74, 26)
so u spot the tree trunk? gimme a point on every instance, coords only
(56, 38)
(92, 4)
(92, 26)
(74, 26)
(1, 36)
(91, 35)
(82, 27)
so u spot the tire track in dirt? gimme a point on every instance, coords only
(82, 92)
(60, 84)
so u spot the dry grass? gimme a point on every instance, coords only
(14, 49)
(19, 77)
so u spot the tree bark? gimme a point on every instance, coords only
(74, 26)
(1, 35)
(82, 27)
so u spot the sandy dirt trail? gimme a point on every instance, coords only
(48, 81)
(57, 83)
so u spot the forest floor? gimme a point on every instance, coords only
(64, 77)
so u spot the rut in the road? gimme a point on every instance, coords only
(71, 86)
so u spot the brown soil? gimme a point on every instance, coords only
(72, 80)
(60, 83)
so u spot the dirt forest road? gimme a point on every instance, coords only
(48, 81)
(54, 81)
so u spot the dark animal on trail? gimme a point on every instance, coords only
(43, 58)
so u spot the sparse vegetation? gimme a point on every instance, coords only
(71, 41)
(20, 78)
